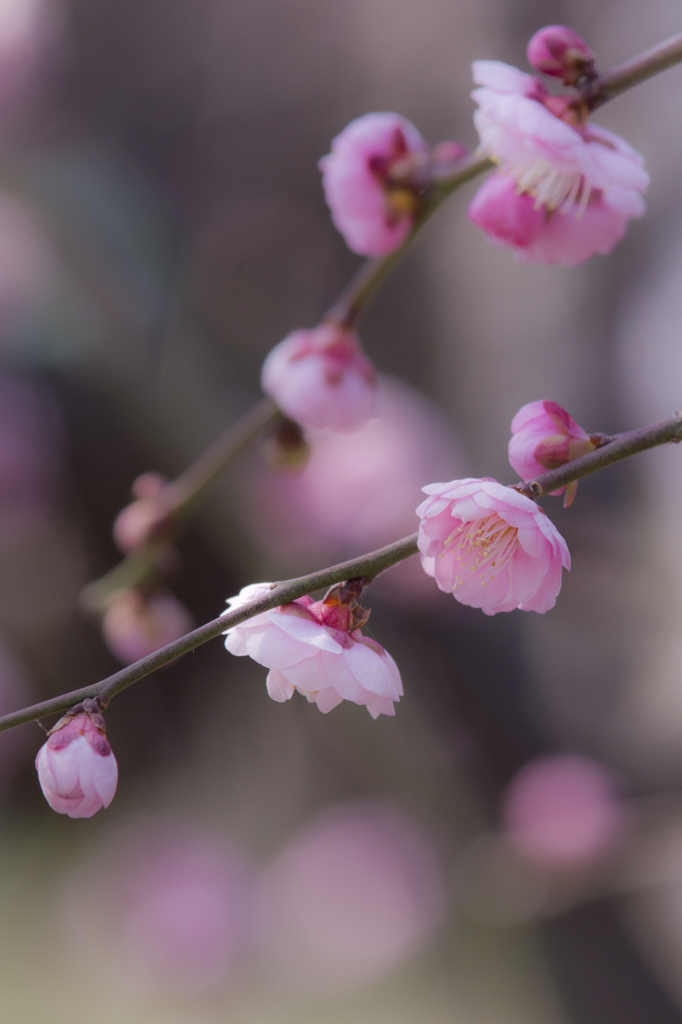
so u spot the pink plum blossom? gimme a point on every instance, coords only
(490, 546)
(136, 624)
(544, 436)
(361, 178)
(559, 51)
(562, 812)
(317, 647)
(321, 378)
(565, 189)
(77, 770)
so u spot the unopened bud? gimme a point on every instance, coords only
(76, 768)
(148, 485)
(544, 436)
(137, 624)
(559, 51)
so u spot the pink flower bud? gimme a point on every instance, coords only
(136, 523)
(76, 767)
(135, 624)
(559, 51)
(491, 547)
(544, 436)
(322, 378)
(365, 180)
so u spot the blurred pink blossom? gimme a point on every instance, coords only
(584, 180)
(27, 29)
(361, 179)
(186, 915)
(321, 378)
(562, 812)
(76, 767)
(544, 436)
(559, 51)
(137, 624)
(136, 522)
(167, 907)
(317, 648)
(350, 897)
(356, 493)
(490, 546)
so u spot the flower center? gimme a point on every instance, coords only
(550, 187)
(483, 546)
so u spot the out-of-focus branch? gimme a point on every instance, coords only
(366, 567)
(435, 183)
(177, 499)
(631, 72)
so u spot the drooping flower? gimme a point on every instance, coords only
(490, 546)
(317, 647)
(364, 180)
(544, 436)
(558, 51)
(584, 182)
(322, 378)
(76, 768)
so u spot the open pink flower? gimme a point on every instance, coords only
(544, 436)
(361, 178)
(585, 183)
(77, 770)
(490, 546)
(317, 648)
(322, 378)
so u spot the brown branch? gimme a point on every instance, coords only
(632, 72)
(368, 566)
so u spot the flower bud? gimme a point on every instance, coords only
(144, 518)
(559, 51)
(544, 436)
(322, 378)
(137, 624)
(76, 768)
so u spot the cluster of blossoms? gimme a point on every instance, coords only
(563, 192)
(565, 189)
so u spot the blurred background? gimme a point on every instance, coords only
(508, 848)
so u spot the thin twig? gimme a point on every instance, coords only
(632, 72)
